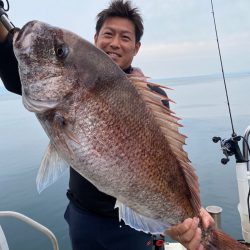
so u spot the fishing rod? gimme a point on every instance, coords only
(229, 146)
(4, 17)
(222, 70)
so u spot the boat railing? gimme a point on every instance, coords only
(245, 145)
(32, 223)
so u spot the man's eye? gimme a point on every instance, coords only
(126, 38)
(108, 34)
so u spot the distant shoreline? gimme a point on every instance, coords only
(214, 76)
(195, 78)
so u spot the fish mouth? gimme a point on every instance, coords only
(22, 37)
(38, 106)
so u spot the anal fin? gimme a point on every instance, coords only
(140, 222)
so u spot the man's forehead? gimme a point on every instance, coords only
(119, 24)
(118, 29)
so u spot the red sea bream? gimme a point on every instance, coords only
(111, 128)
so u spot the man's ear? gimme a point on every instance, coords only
(95, 38)
(137, 47)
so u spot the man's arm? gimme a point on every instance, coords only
(138, 72)
(8, 63)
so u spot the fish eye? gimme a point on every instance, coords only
(61, 51)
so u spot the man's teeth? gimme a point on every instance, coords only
(113, 54)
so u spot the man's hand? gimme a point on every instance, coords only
(188, 233)
(3, 33)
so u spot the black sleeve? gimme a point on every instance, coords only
(9, 67)
(162, 92)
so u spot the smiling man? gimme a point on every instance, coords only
(117, 38)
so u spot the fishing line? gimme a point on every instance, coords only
(248, 147)
(248, 196)
(222, 69)
(248, 207)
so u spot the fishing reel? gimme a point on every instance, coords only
(4, 17)
(229, 148)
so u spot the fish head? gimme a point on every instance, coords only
(52, 63)
(42, 53)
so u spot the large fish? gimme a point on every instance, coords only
(111, 128)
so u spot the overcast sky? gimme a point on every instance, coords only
(179, 38)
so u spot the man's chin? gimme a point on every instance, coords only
(115, 59)
(117, 62)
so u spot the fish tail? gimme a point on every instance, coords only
(218, 240)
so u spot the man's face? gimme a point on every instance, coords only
(117, 39)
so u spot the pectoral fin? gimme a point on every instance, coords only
(140, 222)
(52, 167)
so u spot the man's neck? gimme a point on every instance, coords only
(128, 70)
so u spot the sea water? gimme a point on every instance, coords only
(200, 101)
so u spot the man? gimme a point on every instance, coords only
(93, 221)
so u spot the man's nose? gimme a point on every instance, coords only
(115, 43)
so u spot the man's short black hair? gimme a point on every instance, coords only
(124, 9)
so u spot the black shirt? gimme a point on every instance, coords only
(81, 192)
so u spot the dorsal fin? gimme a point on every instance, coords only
(169, 125)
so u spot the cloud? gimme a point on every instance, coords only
(179, 34)
(229, 43)
(185, 58)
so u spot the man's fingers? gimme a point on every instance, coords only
(194, 244)
(189, 234)
(206, 218)
(175, 231)
(185, 232)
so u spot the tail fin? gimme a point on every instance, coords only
(218, 240)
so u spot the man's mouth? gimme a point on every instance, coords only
(113, 55)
